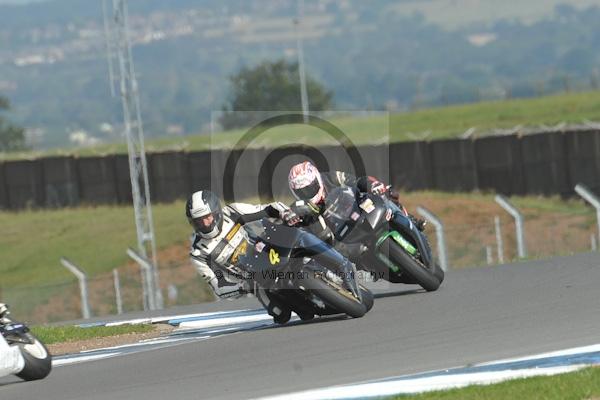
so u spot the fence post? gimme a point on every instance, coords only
(593, 242)
(147, 285)
(118, 291)
(439, 231)
(85, 305)
(489, 255)
(591, 198)
(500, 245)
(505, 204)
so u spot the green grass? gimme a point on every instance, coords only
(95, 238)
(62, 334)
(39, 289)
(579, 385)
(442, 122)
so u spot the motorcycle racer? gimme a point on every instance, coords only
(310, 187)
(219, 239)
(11, 359)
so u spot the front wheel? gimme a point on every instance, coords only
(438, 272)
(411, 266)
(335, 296)
(38, 361)
(367, 298)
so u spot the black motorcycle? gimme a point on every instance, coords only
(381, 238)
(292, 270)
(38, 361)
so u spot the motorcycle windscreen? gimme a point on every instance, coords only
(341, 211)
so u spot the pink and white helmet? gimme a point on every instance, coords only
(306, 183)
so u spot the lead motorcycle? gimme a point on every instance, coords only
(292, 270)
(380, 237)
(37, 358)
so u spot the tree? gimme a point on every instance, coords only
(11, 137)
(270, 86)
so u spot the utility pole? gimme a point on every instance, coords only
(300, 51)
(134, 134)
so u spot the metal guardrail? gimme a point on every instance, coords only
(591, 198)
(85, 304)
(153, 299)
(512, 210)
(439, 231)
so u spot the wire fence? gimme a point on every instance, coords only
(180, 285)
(546, 235)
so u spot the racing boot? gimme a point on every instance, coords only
(276, 309)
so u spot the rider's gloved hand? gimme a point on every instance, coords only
(378, 188)
(3, 309)
(394, 196)
(290, 217)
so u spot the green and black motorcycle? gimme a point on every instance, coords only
(379, 237)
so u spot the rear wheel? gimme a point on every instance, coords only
(38, 361)
(283, 317)
(308, 316)
(414, 268)
(335, 296)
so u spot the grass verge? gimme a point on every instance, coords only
(62, 334)
(40, 290)
(580, 385)
(438, 122)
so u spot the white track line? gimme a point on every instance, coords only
(412, 386)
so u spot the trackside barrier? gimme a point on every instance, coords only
(591, 198)
(512, 210)
(499, 243)
(85, 305)
(117, 283)
(147, 279)
(439, 231)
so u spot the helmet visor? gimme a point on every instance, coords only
(308, 192)
(205, 223)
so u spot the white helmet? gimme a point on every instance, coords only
(199, 207)
(306, 183)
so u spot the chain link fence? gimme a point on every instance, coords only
(180, 285)
(546, 234)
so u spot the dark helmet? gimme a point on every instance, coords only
(199, 207)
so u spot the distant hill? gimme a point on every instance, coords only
(373, 55)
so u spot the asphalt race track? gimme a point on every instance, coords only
(478, 315)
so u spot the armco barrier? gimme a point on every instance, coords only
(454, 166)
(411, 165)
(169, 176)
(200, 169)
(3, 190)
(61, 181)
(583, 158)
(97, 180)
(544, 163)
(122, 177)
(499, 164)
(24, 183)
